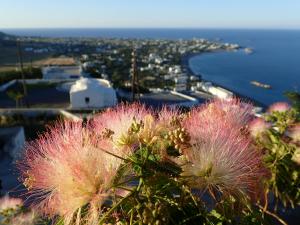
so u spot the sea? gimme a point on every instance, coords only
(275, 59)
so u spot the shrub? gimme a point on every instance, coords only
(132, 165)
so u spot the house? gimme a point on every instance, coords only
(218, 92)
(92, 93)
(62, 72)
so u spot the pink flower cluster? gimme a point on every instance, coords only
(114, 125)
(258, 127)
(279, 107)
(64, 171)
(7, 203)
(72, 166)
(222, 158)
(294, 132)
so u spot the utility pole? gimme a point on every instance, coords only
(20, 57)
(31, 71)
(135, 81)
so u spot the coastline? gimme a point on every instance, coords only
(185, 63)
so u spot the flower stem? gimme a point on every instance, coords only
(273, 215)
(114, 207)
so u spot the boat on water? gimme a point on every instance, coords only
(262, 85)
(248, 50)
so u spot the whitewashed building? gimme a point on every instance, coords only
(215, 91)
(62, 72)
(92, 93)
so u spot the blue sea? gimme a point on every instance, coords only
(275, 60)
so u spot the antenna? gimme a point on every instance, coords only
(135, 82)
(20, 57)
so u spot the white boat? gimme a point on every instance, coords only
(249, 50)
(258, 84)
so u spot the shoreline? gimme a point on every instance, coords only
(185, 63)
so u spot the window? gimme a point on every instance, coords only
(87, 100)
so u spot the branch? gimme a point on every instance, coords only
(273, 215)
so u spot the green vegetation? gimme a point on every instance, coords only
(16, 95)
(30, 73)
(294, 97)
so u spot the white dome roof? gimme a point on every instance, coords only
(89, 84)
(92, 93)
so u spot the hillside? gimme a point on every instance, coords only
(4, 36)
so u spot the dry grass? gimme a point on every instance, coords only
(7, 68)
(9, 59)
(59, 61)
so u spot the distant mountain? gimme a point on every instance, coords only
(7, 40)
(4, 36)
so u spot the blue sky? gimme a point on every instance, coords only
(284, 14)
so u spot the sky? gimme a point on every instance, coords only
(278, 14)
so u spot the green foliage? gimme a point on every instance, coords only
(15, 95)
(294, 97)
(279, 150)
(30, 73)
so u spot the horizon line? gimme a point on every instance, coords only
(182, 28)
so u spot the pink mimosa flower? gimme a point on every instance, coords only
(29, 218)
(221, 157)
(226, 113)
(64, 171)
(233, 110)
(7, 202)
(258, 126)
(167, 117)
(296, 156)
(116, 125)
(279, 107)
(294, 132)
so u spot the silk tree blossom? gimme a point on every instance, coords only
(279, 107)
(119, 127)
(8, 203)
(294, 132)
(296, 156)
(28, 218)
(233, 113)
(168, 118)
(64, 171)
(175, 135)
(221, 157)
(164, 131)
(224, 162)
(148, 133)
(258, 126)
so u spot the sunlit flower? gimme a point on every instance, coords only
(7, 203)
(221, 157)
(296, 156)
(120, 126)
(279, 107)
(294, 133)
(64, 171)
(29, 218)
(233, 110)
(232, 113)
(149, 132)
(258, 127)
(169, 118)
(164, 132)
